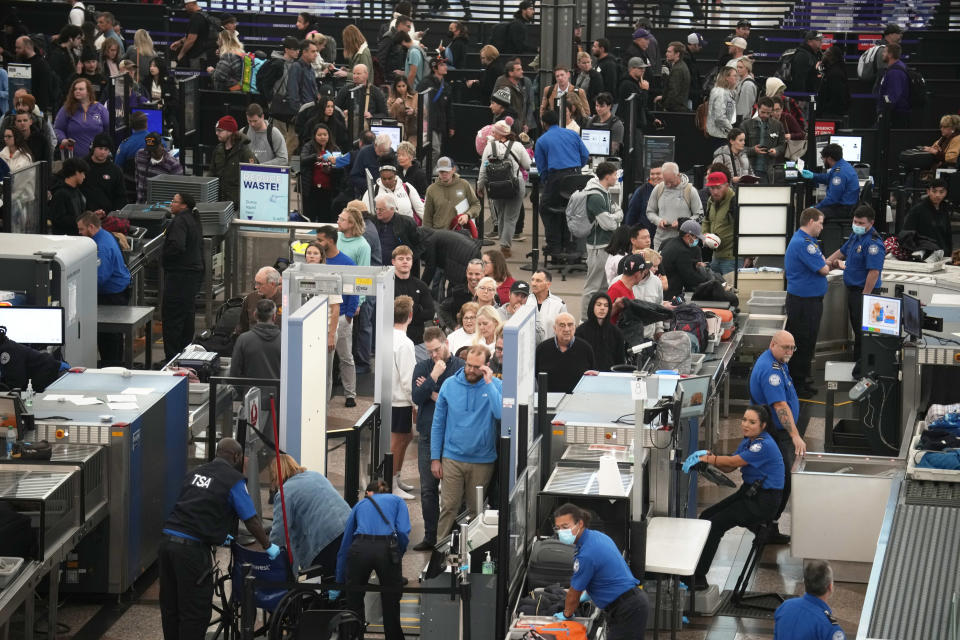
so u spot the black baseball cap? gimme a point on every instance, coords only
(893, 27)
(634, 264)
(744, 23)
(291, 43)
(519, 286)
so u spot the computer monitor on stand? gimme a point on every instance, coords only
(880, 344)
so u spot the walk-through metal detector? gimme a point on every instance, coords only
(303, 377)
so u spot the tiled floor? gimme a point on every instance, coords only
(137, 615)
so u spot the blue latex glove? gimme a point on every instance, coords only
(693, 459)
(807, 174)
(228, 540)
(584, 597)
(273, 551)
(333, 594)
(559, 615)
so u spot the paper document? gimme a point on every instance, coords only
(82, 402)
(136, 391)
(462, 206)
(123, 406)
(122, 398)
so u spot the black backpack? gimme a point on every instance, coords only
(785, 66)
(918, 88)
(221, 338)
(691, 319)
(502, 180)
(268, 76)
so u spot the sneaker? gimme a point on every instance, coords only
(507, 253)
(350, 402)
(518, 237)
(400, 493)
(424, 545)
(403, 485)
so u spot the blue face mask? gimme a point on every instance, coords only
(696, 241)
(566, 536)
(857, 229)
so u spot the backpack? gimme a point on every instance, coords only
(502, 181)
(279, 104)
(687, 191)
(867, 64)
(269, 136)
(785, 66)
(268, 76)
(700, 117)
(558, 630)
(675, 352)
(577, 219)
(690, 318)
(918, 88)
(214, 24)
(221, 338)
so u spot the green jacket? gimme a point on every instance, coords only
(226, 166)
(598, 201)
(720, 220)
(440, 205)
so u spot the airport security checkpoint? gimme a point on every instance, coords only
(501, 321)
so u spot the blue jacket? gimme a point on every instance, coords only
(806, 618)
(421, 395)
(895, 85)
(112, 273)
(637, 209)
(559, 149)
(301, 84)
(127, 150)
(366, 158)
(843, 185)
(316, 516)
(351, 302)
(364, 519)
(463, 421)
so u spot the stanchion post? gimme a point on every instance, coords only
(351, 472)
(388, 469)
(503, 538)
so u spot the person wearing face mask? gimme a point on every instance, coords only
(602, 575)
(772, 387)
(864, 254)
(681, 259)
(762, 468)
(843, 185)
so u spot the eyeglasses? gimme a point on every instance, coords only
(791, 347)
(469, 317)
(486, 289)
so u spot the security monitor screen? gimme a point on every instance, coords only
(851, 146)
(33, 325)
(392, 131)
(912, 317)
(881, 315)
(597, 141)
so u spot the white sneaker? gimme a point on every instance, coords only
(397, 482)
(400, 493)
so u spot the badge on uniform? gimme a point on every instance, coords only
(859, 248)
(873, 249)
(4, 357)
(756, 446)
(774, 380)
(836, 180)
(576, 565)
(838, 635)
(811, 249)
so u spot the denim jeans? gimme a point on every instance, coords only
(363, 345)
(723, 266)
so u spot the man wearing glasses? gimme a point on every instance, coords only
(267, 285)
(772, 386)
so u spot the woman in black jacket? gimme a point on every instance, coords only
(609, 348)
(162, 90)
(492, 69)
(409, 170)
(319, 178)
(834, 96)
(327, 114)
(456, 51)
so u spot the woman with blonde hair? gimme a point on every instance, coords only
(747, 89)
(110, 58)
(316, 515)
(492, 69)
(356, 51)
(488, 323)
(947, 146)
(722, 106)
(464, 335)
(142, 53)
(228, 73)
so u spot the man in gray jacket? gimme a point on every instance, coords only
(605, 216)
(766, 142)
(671, 202)
(266, 140)
(257, 352)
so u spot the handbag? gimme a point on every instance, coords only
(393, 544)
(795, 149)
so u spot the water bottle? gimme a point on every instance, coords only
(28, 395)
(11, 438)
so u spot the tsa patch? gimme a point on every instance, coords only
(774, 380)
(836, 180)
(756, 446)
(873, 250)
(576, 566)
(838, 635)
(4, 357)
(811, 249)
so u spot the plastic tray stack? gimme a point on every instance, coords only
(50, 498)
(771, 303)
(215, 217)
(202, 188)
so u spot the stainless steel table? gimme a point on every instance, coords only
(126, 321)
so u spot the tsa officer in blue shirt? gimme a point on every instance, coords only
(864, 254)
(809, 617)
(375, 539)
(806, 271)
(757, 499)
(600, 574)
(843, 184)
(772, 386)
(559, 153)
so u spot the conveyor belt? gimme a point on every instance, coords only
(921, 569)
(934, 494)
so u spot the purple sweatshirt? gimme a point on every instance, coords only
(82, 126)
(896, 85)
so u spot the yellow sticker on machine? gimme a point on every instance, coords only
(363, 282)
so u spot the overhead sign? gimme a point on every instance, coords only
(264, 192)
(864, 42)
(824, 128)
(19, 77)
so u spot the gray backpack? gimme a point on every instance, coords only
(675, 352)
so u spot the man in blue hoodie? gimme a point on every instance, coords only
(895, 88)
(463, 436)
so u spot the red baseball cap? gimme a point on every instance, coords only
(716, 179)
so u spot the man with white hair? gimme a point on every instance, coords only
(267, 285)
(393, 229)
(371, 101)
(368, 158)
(671, 202)
(406, 196)
(564, 358)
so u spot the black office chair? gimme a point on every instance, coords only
(572, 262)
(739, 597)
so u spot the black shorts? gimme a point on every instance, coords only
(401, 420)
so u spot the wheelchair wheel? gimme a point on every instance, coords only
(285, 621)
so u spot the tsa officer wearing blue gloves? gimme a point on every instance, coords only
(757, 499)
(806, 271)
(809, 617)
(864, 254)
(772, 387)
(843, 184)
(375, 539)
(213, 495)
(600, 574)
